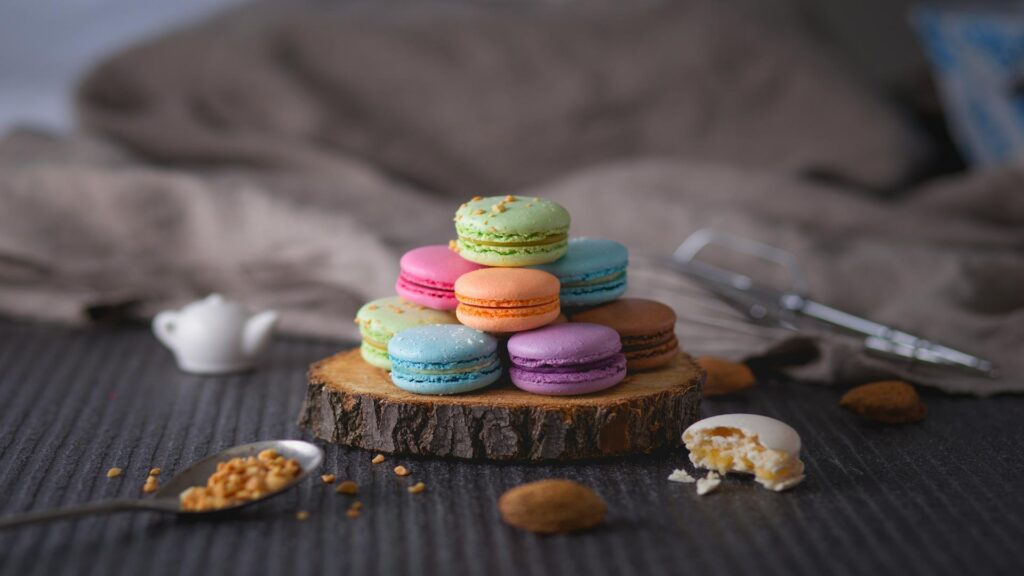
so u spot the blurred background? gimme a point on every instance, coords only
(287, 153)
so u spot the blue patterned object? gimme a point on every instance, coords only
(978, 60)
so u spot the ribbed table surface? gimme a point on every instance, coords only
(942, 497)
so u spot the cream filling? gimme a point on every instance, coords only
(731, 450)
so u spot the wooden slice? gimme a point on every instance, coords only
(353, 403)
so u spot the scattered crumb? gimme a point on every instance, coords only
(347, 487)
(328, 478)
(401, 471)
(378, 459)
(151, 485)
(681, 476)
(302, 515)
(417, 488)
(708, 484)
(155, 471)
(114, 472)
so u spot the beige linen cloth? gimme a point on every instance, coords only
(287, 159)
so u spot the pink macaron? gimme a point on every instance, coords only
(428, 276)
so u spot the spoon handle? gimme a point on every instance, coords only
(101, 507)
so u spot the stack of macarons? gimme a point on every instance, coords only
(515, 287)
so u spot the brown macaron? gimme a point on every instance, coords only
(647, 329)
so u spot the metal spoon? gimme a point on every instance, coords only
(165, 499)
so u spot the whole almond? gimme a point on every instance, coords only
(552, 506)
(888, 401)
(724, 376)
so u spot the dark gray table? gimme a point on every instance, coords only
(941, 497)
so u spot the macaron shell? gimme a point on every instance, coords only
(443, 359)
(630, 316)
(417, 292)
(771, 433)
(375, 356)
(653, 357)
(441, 385)
(563, 345)
(588, 258)
(512, 230)
(570, 384)
(507, 320)
(428, 276)
(506, 287)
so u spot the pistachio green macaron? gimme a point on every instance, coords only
(381, 319)
(511, 231)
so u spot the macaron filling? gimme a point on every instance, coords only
(425, 287)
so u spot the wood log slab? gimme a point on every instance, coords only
(352, 403)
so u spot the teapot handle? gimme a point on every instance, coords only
(163, 326)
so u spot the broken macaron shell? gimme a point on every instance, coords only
(747, 443)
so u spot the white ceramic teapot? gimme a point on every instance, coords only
(214, 335)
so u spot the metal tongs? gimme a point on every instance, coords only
(767, 305)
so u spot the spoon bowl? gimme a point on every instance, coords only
(166, 499)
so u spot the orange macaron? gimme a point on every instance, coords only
(507, 299)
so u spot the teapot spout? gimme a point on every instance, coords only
(258, 330)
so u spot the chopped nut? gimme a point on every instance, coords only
(372, 307)
(510, 198)
(302, 515)
(453, 245)
(114, 472)
(347, 487)
(151, 485)
(401, 471)
(475, 198)
(417, 488)
(378, 459)
(357, 505)
(239, 480)
(477, 212)
(328, 478)
(498, 208)
(352, 513)
(155, 471)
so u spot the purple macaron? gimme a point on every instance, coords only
(566, 359)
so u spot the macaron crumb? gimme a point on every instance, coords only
(114, 472)
(401, 471)
(347, 487)
(302, 515)
(328, 478)
(709, 483)
(377, 459)
(681, 476)
(417, 488)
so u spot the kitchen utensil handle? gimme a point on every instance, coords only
(102, 507)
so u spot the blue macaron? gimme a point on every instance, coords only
(593, 271)
(443, 359)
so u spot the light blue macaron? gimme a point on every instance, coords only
(443, 359)
(593, 271)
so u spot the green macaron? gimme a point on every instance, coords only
(512, 231)
(381, 319)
